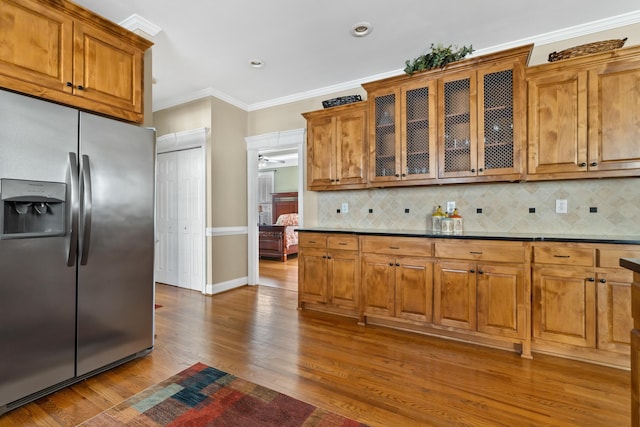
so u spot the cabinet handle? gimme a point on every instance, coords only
(472, 271)
(342, 243)
(397, 175)
(481, 170)
(394, 247)
(583, 164)
(562, 256)
(397, 264)
(80, 87)
(324, 257)
(337, 180)
(603, 280)
(480, 272)
(390, 264)
(312, 241)
(473, 170)
(593, 164)
(476, 252)
(591, 279)
(404, 174)
(329, 257)
(69, 84)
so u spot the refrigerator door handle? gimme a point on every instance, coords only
(72, 245)
(87, 208)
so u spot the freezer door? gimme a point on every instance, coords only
(115, 276)
(37, 288)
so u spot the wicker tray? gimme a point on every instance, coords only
(586, 49)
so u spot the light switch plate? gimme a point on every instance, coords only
(451, 206)
(345, 208)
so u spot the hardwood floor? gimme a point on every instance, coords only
(376, 375)
(279, 274)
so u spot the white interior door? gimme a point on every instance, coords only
(180, 218)
(167, 253)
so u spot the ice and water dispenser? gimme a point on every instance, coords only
(31, 208)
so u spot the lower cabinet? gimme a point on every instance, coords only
(567, 299)
(482, 287)
(582, 301)
(329, 271)
(398, 286)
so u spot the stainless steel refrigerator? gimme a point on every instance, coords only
(76, 246)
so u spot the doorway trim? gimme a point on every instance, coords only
(195, 138)
(282, 140)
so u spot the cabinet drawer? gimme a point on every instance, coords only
(312, 240)
(610, 257)
(481, 251)
(564, 254)
(345, 242)
(412, 246)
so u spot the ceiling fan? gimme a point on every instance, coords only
(264, 160)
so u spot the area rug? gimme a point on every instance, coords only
(205, 396)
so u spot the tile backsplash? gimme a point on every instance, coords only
(594, 207)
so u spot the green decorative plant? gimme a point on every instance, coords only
(439, 56)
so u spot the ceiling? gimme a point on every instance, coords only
(204, 46)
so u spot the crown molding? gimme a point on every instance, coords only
(137, 23)
(538, 40)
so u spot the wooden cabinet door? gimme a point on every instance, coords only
(106, 69)
(343, 278)
(37, 44)
(458, 144)
(414, 289)
(378, 275)
(564, 305)
(419, 131)
(558, 122)
(351, 156)
(384, 134)
(312, 275)
(614, 311)
(320, 152)
(501, 119)
(501, 300)
(614, 108)
(454, 295)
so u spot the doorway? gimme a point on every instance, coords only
(268, 144)
(180, 212)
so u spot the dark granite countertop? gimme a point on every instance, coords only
(481, 235)
(632, 264)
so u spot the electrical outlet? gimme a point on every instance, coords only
(561, 206)
(345, 208)
(451, 206)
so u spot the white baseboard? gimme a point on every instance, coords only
(216, 288)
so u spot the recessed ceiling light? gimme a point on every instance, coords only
(256, 63)
(361, 29)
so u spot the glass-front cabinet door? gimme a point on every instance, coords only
(385, 154)
(497, 127)
(419, 131)
(458, 137)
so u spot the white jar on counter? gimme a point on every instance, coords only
(447, 225)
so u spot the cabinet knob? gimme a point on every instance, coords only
(473, 170)
(603, 280)
(472, 271)
(397, 175)
(80, 87)
(593, 164)
(69, 84)
(480, 272)
(397, 264)
(583, 164)
(591, 279)
(404, 174)
(390, 264)
(481, 170)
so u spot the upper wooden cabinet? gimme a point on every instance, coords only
(336, 147)
(465, 123)
(583, 117)
(67, 54)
